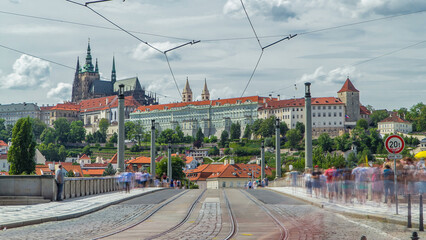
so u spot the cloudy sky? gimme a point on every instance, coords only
(385, 59)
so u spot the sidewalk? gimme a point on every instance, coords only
(369, 210)
(22, 215)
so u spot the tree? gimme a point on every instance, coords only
(235, 131)
(129, 129)
(224, 138)
(293, 138)
(109, 171)
(98, 137)
(255, 127)
(62, 130)
(199, 136)
(342, 143)
(86, 150)
(325, 142)
(5, 131)
(38, 127)
(267, 127)
(77, 132)
(177, 166)
(114, 138)
(103, 126)
(48, 136)
(301, 127)
(179, 134)
(213, 139)
(378, 116)
(62, 153)
(362, 123)
(214, 151)
(166, 136)
(283, 128)
(247, 132)
(21, 153)
(70, 174)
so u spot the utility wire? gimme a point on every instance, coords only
(252, 74)
(254, 31)
(173, 75)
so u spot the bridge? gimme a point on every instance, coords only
(164, 213)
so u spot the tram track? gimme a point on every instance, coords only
(234, 224)
(284, 233)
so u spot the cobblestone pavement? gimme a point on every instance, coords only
(305, 221)
(88, 226)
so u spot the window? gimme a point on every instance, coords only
(329, 107)
(323, 107)
(313, 123)
(329, 114)
(340, 107)
(323, 114)
(335, 114)
(313, 107)
(334, 123)
(313, 114)
(340, 114)
(334, 107)
(329, 123)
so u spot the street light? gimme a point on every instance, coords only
(307, 89)
(308, 126)
(277, 149)
(120, 145)
(121, 90)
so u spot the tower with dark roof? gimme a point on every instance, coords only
(187, 93)
(349, 95)
(205, 95)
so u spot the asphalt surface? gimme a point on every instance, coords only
(153, 198)
(269, 197)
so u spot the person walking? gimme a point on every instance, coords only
(388, 184)
(316, 181)
(60, 180)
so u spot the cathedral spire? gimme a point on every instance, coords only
(113, 73)
(96, 66)
(88, 67)
(187, 93)
(205, 95)
(78, 69)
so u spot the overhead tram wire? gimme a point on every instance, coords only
(251, 24)
(146, 43)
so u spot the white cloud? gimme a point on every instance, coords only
(15, 1)
(144, 52)
(28, 72)
(162, 85)
(225, 92)
(335, 76)
(277, 10)
(62, 91)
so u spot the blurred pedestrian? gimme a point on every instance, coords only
(377, 185)
(308, 181)
(316, 181)
(60, 180)
(388, 184)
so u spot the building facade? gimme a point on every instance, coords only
(11, 113)
(394, 124)
(212, 116)
(67, 110)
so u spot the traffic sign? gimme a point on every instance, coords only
(395, 156)
(394, 144)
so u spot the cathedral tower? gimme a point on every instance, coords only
(187, 93)
(205, 95)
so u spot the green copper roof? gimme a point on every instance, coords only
(88, 67)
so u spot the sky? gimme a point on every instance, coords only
(385, 59)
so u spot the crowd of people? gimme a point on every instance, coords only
(256, 183)
(347, 185)
(142, 179)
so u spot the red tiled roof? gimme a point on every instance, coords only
(348, 87)
(113, 160)
(219, 102)
(300, 102)
(394, 118)
(3, 156)
(3, 144)
(189, 160)
(4, 173)
(96, 165)
(74, 168)
(93, 172)
(241, 170)
(47, 108)
(84, 157)
(140, 160)
(69, 106)
(96, 104)
(363, 110)
(41, 169)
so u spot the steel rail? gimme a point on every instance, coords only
(283, 229)
(234, 224)
(144, 218)
(188, 214)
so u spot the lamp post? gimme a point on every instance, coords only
(120, 145)
(277, 149)
(152, 149)
(308, 126)
(262, 163)
(169, 162)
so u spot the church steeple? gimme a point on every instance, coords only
(187, 92)
(78, 69)
(88, 67)
(96, 66)
(113, 74)
(205, 95)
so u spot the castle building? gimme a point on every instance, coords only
(349, 95)
(88, 85)
(187, 93)
(205, 95)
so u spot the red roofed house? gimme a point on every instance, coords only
(212, 116)
(83, 160)
(139, 163)
(394, 124)
(215, 176)
(191, 163)
(4, 164)
(93, 110)
(67, 110)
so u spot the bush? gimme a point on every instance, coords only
(193, 186)
(134, 148)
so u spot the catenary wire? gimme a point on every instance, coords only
(252, 74)
(251, 24)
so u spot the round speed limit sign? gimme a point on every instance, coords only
(394, 144)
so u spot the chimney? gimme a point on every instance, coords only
(106, 101)
(264, 100)
(232, 161)
(225, 162)
(279, 97)
(270, 96)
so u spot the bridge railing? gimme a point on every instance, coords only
(84, 186)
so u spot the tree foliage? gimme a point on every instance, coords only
(103, 126)
(77, 132)
(62, 130)
(48, 136)
(235, 131)
(378, 116)
(177, 165)
(293, 137)
(325, 142)
(224, 138)
(199, 136)
(109, 171)
(38, 127)
(21, 153)
(362, 123)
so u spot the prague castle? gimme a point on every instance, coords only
(88, 85)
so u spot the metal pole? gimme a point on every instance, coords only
(409, 211)
(395, 184)
(169, 162)
(120, 145)
(308, 126)
(152, 149)
(277, 149)
(262, 163)
(421, 227)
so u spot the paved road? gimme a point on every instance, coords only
(85, 227)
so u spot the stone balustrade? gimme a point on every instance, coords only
(84, 186)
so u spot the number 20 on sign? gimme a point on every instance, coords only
(394, 144)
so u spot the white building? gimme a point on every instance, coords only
(394, 124)
(11, 113)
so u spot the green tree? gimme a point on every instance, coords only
(342, 143)
(352, 160)
(247, 132)
(166, 136)
(103, 126)
(301, 127)
(235, 131)
(255, 127)
(267, 127)
(98, 137)
(179, 135)
(214, 151)
(62, 153)
(213, 139)
(129, 130)
(114, 138)
(378, 116)
(86, 150)
(177, 166)
(48, 136)
(199, 136)
(224, 138)
(109, 171)
(38, 127)
(362, 123)
(70, 174)
(21, 153)
(77, 132)
(283, 128)
(5, 131)
(325, 142)
(293, 137)
(62, 130)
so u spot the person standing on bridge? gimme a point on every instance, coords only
(60, 180)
